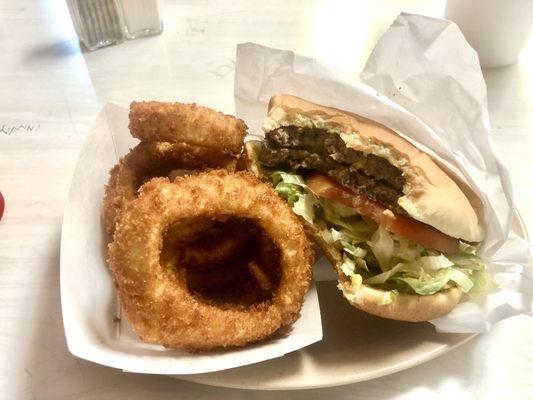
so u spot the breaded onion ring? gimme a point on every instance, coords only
(188, 123)
(156, 300)
(155, 159)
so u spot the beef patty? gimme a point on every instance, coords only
(298, 148)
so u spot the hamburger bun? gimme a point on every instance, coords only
(429, 195)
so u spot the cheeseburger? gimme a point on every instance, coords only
(399, 231)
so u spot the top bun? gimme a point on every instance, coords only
(430, 195)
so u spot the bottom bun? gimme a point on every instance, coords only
(403, 307)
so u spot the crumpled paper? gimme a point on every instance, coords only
(424, 81)
(94, 327)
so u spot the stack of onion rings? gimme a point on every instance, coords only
(198, 263)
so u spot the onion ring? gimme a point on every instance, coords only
(148, 160)
(188, 123)
(156, 300)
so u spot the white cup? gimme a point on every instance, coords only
(496, 29)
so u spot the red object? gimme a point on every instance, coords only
(2, 205)
(406, 227)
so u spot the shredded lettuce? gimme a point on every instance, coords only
(289, 191)
(426, 275)
(385, 276)
(377, 257)
(287, 177)
(346, 218)
(461, 279)
(327, 236)
(347, 266)
(304, 207)
(352, 250)
(361, 263)
(430, 263)
(468, 260)
(382, 246)
(407, 250)
(340, 236)
(430, 284)
(292, 187)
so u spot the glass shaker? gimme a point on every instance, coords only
(141, 18)
(98, 23)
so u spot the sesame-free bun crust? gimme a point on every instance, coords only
(403, 307)
(430, 195)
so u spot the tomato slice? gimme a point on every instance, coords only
(406, 227)
(424, 234)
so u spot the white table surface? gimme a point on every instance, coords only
(50, 91)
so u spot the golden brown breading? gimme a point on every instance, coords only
(156, 300)
(155, 159)
(177, 122)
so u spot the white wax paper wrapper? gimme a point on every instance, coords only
(427, 66)
(88, 298)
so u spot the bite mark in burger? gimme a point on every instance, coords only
(397, 228)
